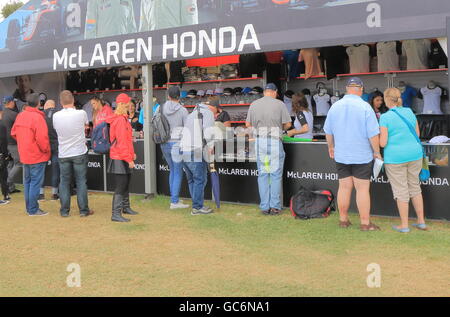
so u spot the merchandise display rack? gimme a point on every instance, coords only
(113, 91)
(214, 81)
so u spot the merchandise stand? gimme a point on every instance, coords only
(255, 30)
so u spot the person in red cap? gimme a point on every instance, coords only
(122, 158)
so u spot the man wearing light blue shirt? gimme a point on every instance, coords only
(352, 133)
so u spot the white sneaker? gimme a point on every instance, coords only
(4, 202)
(178, 205)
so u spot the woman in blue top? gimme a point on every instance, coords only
(402, 157)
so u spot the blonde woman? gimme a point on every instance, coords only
(122, 158)
(402, 157)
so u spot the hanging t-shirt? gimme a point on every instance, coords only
(288, 102)
(302, 118)
(334, 99)
(408, 95)
(312, 63)
(431, 100)
(334, 57)
(416, 52)
(388, 58)
(252, 64)
(359, 59)
(310, 101)
(437, 56)
(290, 57)
(322, 104)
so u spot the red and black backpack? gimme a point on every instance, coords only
(307, 204)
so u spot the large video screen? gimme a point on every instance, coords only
(46, 36)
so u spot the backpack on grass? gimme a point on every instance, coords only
(100, 139)
(307, 204)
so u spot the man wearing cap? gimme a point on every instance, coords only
(269, 117)
(31, 133)
(70, 125)
(220, 115)
(352, 133)
(176, 115)
(9, 117)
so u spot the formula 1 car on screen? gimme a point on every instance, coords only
(45, 23)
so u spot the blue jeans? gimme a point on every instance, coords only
(33, 178)
(197, 177)
(55, 170)
(270, 160)
(172, 155)
(77, 164)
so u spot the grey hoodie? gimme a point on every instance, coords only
(176, 114)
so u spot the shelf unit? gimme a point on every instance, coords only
(224, 105)
(113, 91)
(378, 73)
(215, 81)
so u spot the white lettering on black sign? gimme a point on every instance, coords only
(224, 40)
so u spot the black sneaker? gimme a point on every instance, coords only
(55, 197)
(39, 213)
(4, 202)
(265, 212)
(7, 198)
(41, 197)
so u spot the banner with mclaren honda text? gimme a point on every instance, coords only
(46, 36)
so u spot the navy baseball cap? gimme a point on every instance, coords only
(271, 86)
(7, 99)
(355, 81)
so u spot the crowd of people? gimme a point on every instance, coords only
(355, 133)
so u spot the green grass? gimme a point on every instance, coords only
(234, 252)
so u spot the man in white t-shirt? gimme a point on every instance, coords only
(70, 125)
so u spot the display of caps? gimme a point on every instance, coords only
(289, 93)
(210, 92)
(184, 94)
(192, 93)
(257, 90)
(246, 90)
(201, 93)
(228, 91)
(218, 91)
(237, 91)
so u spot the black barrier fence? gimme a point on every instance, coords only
(306, 164)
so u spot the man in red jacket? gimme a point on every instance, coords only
(31, 133)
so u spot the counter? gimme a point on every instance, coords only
(306, 164)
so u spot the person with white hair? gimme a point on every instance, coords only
(352, 134)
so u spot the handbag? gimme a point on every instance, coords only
(425, 172)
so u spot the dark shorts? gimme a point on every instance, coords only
(360, 171)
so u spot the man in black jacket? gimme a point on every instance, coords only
(49, 111)
(9, 117)
(3, 160)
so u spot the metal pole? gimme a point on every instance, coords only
(448, 47)
(149, 145)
